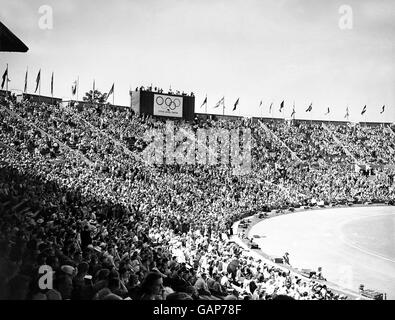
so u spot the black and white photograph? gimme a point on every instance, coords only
(210, 151)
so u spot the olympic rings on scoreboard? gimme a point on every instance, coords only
(159, 100)
(170, 102)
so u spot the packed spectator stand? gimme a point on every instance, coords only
(74, 195)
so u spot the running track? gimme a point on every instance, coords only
(353, 245)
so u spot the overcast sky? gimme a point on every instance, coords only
(269, 50)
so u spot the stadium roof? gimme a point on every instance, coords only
(10, 42)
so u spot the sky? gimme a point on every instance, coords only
(255, 50)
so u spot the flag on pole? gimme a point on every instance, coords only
(110, 92)
(310, 108)
(260, 104)
(38, 79)
(52, 84)
(204, 102)
(293, 111)
(363, 110)
(5, 77)
(281, 106)
(347, 113)
(270, 108)
(328, 112)
(236, 103)
(74, 88)
(383, 109)
(25, 88)
(221, 101)
(93, 91)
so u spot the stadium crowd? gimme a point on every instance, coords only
(75, 196)
(160, 90)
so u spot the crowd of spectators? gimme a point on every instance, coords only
(75, 196)
(160, 90)
(371, 145)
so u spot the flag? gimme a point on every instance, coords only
(310, 107)
(347, 114)
(93, 92)
(111, 91)
(38, 79)
(328, 112)
(236, 103)
(74, 88)
(204, 102)
(219, 102)
(25, 88)
(281, 106)
(5, 76)
(382, 110)
(52, 84)
(270, 108)
(260, 103)
(363, 110)
(293, 112)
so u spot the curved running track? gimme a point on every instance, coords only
(353, 245)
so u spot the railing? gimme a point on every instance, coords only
(293, 154)
(345, 148)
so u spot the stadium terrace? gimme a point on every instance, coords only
(76, 197)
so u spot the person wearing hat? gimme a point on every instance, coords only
(65, 281)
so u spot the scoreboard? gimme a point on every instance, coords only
(163, 105)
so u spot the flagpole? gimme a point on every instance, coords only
(223, 107)
(39, 88)
(52, 87)
(285, 110)
(271, 112)
(6, 80)
(26, 75)
(293, 113)
(78, 84)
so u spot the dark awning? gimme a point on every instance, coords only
(10, 42)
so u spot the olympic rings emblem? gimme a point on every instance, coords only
(171, 103)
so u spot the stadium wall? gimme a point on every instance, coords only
(205, 116)
(38, 98)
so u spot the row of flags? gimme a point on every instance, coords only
(74, 87)
(74, 90)
(6, 79)
(309, 108)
